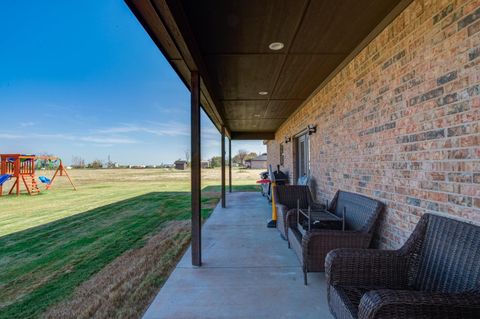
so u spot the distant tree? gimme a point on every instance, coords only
(236, 159)
(216, 161)
(251, 155)
(109, 163)
(187, 156)
(42, 163)
(242, 154)
(78, 162)
(95, 164)
(112, 165)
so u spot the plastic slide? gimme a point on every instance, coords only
(4, 178)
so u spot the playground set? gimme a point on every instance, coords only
(22, 169)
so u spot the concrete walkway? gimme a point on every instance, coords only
(247, 272)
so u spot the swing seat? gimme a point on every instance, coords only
(44, 179)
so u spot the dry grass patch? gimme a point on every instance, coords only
(124, 288)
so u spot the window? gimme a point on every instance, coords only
(282, 155)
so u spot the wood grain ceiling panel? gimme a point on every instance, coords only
(242, 26)
(227, 42)
(281, 108)
(338, 26)
(303, 73)
(243, 76)
(244, 110)
(256, 125)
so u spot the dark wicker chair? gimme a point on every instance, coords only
(313, 246)
(436, 274)
(286, 200)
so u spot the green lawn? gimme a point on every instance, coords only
(53, 242)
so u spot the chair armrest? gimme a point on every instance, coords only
(367, 267)
(418, 304)
(292, 218)
(317, 243)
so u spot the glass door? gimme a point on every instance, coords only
(303, 158)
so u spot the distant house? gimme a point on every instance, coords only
(204, 164)
(182, 165)
(257, 162)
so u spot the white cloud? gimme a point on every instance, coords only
(209, 142)
(110, 136)
(106, 140)
(159, 129)
(27, 124)
(211, 130)
(10, 136)
(119, 129)
(101, 140)
(178, 110)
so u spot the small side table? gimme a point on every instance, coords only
(318, 219)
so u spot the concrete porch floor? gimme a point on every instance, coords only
(248, 271)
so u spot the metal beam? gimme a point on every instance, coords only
(253, 135)
(195, 171)
(224, 204)
(230, 165)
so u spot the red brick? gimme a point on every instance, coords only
(405, 114)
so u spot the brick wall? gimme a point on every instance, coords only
(401, 122)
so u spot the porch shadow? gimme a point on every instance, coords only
(43, 265)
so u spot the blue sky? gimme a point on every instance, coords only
(82, 78)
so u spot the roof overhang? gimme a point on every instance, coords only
(227, 42)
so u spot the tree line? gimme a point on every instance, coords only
(216, 161)
(238, 159)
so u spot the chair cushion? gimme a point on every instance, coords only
(449, 259)
(345, 300)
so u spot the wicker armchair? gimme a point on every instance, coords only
(436, 274)
(312, 247)
(286, 197)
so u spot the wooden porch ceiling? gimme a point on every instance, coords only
(227, 42)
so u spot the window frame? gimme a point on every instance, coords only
(282, 154)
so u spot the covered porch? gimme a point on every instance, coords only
(247, 271)
(377, 98)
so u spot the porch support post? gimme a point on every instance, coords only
(230, 165)
(195, 170)
(224, 204)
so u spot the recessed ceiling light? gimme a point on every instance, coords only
(275, 46)
(263, 92)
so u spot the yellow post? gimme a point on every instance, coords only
(273, 222)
